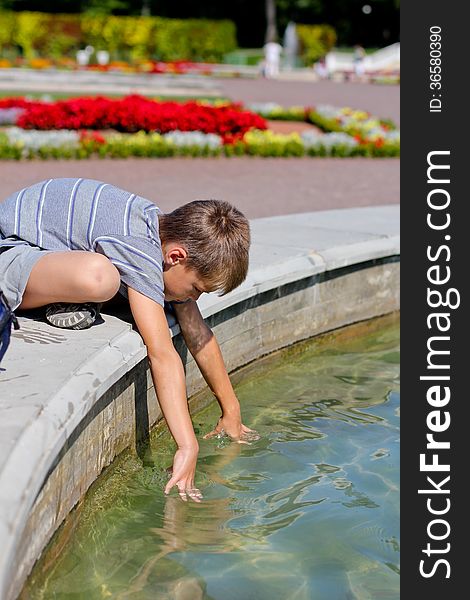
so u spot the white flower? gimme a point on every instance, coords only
(328, 111)
(34, 140)
(264, 108)
(193, 138)
(328, 140)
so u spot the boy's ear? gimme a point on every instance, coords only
(176, 255)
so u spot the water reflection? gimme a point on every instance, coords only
(308, 511)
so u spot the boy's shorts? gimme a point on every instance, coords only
(16, 264)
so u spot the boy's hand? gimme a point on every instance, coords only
(233, 426)
(169, 381)
(184, 468)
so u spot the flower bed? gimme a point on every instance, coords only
(357, 123)
(135, 113)
(18, 143)
(176, 67)
(136, 126)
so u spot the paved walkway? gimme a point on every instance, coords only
(92, 83)
(381, 100)
(259, 187)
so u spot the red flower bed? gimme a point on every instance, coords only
(18, 103)
(136, 113)
(177, 66)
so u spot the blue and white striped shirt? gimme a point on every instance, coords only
(84, 214)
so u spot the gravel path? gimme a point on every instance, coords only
(381, 100)
(259, 187)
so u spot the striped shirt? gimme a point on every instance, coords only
(84, 214)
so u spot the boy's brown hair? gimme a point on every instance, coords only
(216, 236)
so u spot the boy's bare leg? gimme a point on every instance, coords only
(74, 276)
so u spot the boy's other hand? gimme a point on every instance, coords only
(184, 469)
(232, 426)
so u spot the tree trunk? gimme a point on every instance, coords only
(271, 29)
(145, 11)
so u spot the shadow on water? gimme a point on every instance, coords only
(310, 510)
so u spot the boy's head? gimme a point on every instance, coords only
(205, 245)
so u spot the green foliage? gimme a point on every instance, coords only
(63, 33)
(193, 38)
(54, 35)
(7, 26)
(324, 123)
(315, 41)
(282, 113)
(28, 32)
(104, 7)
(39, 34)
(124, 36)
(244, 56)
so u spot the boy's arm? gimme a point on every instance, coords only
(203, 346)
(169, 381)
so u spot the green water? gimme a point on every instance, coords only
(308, 512)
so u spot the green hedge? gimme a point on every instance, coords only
(315, 41)
(55, 35)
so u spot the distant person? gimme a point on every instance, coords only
(291, 45)
(358, 60)
(321, 68)
(272, 58)
(262, 68)
(330, 64)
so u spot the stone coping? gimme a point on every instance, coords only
(45, 396)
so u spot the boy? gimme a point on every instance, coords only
(80, 241)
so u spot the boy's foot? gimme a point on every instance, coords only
(72, 316)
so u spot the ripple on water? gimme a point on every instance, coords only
(310, 510)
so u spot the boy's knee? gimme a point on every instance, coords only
(101, 281)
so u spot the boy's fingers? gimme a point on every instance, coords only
(195, 495)
(193, 492)
(183, 493)
(211, 434)
(251, 435)
(173, 481)
(169, 485)
(187, 489)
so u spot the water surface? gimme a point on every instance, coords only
(308, 512)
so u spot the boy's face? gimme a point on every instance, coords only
(182, 283)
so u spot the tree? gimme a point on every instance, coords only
(271, 26)
(105, 7)
(265, 17)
